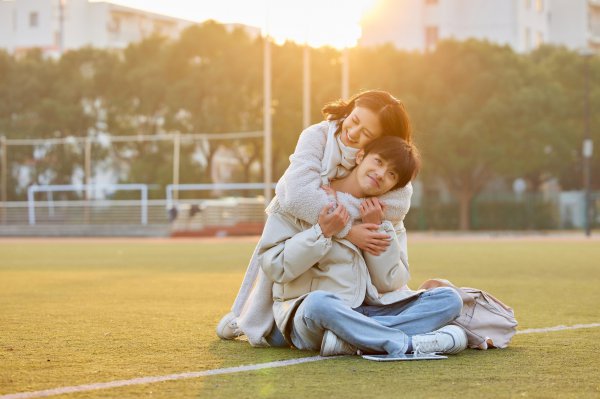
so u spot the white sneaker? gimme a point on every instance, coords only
(228, 328)
(334, 346)
(449, 339)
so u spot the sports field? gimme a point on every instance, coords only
(76, 312)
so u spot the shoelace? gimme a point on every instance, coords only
(233, 325)
(426, 347)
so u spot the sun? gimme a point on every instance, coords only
(317, 22)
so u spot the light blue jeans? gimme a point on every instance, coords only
(373, 329)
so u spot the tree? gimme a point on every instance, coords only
(215, 81)
(566, 70)
(481, 114)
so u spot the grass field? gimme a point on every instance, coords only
(78, 311)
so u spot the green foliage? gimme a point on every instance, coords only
(533, 213)
(480, 111)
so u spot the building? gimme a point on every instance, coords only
(575, 23)
(521, 24)
(59, 25)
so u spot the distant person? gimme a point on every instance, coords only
(325, 151)
(331, 297)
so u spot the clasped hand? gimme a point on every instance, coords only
(366, 236)
(333, 221)
(371, 210)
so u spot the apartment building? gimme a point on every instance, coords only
(59, 25)
(521, 24)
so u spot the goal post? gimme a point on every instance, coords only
(32, 190)
(173, 188)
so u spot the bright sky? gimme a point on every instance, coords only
(318, 22)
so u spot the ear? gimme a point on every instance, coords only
(360, 155)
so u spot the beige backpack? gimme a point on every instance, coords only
(488, 322)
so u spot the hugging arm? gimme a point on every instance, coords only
(366, 236)
(299, 190)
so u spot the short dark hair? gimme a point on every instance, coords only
(391, 111)
(404, 157)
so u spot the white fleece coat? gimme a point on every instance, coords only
(298, 193)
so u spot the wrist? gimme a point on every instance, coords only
(320, 231)
(372, 220)
(350, 236)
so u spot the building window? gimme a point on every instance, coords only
(539, 5)
(431, 2)
(539, 39)
(114, 24)
(431, 37)
(33, 19)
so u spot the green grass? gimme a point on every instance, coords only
(78, 312)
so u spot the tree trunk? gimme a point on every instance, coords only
(464, 202)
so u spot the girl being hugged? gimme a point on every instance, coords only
(324, 152)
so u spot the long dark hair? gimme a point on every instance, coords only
(392, 113)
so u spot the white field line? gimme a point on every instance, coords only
(551, 329)
(229, 370)
(169, 377)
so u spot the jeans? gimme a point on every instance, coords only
(373, 329)
(275, 338)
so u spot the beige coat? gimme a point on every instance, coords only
(300, 259)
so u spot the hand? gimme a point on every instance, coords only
(332, 223)
(366, 237)
(371, 210)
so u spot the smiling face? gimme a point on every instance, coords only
(374, 175)
(360, 127)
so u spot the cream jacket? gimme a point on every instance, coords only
(299, 259)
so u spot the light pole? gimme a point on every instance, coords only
(306, 78)
(588, 145)
(267, 121)
(306, 87)
(3, 176)
(345, 73)
(61, 27)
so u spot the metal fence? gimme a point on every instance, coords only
(237, 215)
(127, 217)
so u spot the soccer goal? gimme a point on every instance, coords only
(72, 209)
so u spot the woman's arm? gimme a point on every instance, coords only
(299, 190)
(366, 236)
(397, 203)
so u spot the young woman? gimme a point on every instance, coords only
(325, 151)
